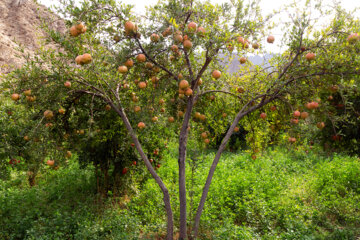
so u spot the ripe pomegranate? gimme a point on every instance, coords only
(174, 48)
(183, 84)
(50, 162)
(178, 38)
(48, 114)
(240, 90)
(188, 92)
(204, 135)
(296, 114)
(255, 46)
(80, 27)
(216, 74)
(149, 65)
(154, 37)
(166, 32)
(187, 44)
(242, 60)
(304, 115)
(320, 125)
(129, 63)
(27, 92)
(240, 40)
(74, 32)
(154, 79)
(86, 58)
(334, 88)
(62, 111)
(129, 27)
(123, 69)
(201, 31)
(310, 56)
(67, 84)
(270, 39)
(171, 119)
(142, 85)
(353, 37)
(141, 125)
(117, 38)
(107, 107)
(137, 108)
(294, 121)
(141, 58)
(263, 115)
(15, 96)
(192, 26)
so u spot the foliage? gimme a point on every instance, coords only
(285, 195)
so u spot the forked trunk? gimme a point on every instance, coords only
(222, 147)
(165, 191)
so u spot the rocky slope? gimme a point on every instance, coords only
(20, 26)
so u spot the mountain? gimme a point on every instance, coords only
(20, 26)
(256, 60)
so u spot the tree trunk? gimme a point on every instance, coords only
(117, 179)
(166, 196)
(182, 165)
(31, 178)
(224, 142)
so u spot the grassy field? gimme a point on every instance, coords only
(284, 194)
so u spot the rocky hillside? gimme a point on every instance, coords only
(20, 27)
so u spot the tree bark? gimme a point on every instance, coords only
(182, 165)
(223, 144)
(165, 191)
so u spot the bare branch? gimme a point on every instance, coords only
(154, 61)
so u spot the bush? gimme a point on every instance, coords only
(51, 210)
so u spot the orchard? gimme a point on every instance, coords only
(124, 84)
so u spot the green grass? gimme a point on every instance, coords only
(283, 194)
